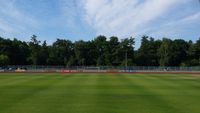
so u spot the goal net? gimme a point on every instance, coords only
(91, 69)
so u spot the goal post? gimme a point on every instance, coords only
(91, 69)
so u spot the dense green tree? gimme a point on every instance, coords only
(113, 47)
(126, 49)
(6, 47)
(20, 52)
(193, 54)
(179, 51)
(4, 60)
(101, 52)
(44, 54)
(60, 52)
(34, 46)
(165, 52)
(83, 53)
(147, 53)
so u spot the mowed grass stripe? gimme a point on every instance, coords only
(113, 95)
(17, 96)
(15, 87)
(19, 80)
(99, 93)
(161, 89)
(183, 93)
(64, 96)
(175, 83)
(106, 94)
(13, 93)
(6, 79)
(73, 95)
(83, 100)
(147, 101)
(10, 79)
(180, 94)
(60, 94)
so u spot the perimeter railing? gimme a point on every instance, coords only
(31, 68)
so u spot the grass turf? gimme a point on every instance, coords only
(99, 93)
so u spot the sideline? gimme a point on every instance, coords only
(196, 73)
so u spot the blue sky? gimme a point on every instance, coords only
(85, 19)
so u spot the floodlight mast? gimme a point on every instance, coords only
(126, 59)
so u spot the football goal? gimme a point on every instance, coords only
(91, 69)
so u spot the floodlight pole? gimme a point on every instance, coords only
(126, 60)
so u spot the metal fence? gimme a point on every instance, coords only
(30, 68)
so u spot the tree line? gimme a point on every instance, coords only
(101, 51)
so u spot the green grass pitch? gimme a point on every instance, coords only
(99, 93)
